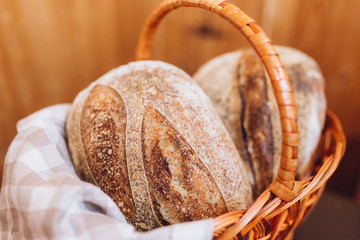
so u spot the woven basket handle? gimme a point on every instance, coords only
(285, 186)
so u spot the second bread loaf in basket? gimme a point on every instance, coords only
(242, 94)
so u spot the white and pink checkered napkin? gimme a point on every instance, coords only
(42, 197)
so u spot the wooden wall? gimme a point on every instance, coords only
(51, 49)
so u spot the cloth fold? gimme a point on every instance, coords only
(42, 197)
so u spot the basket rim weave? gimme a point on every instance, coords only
(286, 203)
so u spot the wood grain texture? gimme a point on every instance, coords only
(50, 50)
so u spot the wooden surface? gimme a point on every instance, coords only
(50, 50)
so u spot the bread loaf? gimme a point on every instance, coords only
(241, 92)
(148, 136)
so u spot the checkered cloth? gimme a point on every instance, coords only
(42, 198)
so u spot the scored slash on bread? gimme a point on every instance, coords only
(255, 120)
(181, 187)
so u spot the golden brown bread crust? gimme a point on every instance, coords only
(179, 182)
(103, 125)
(256, 130)
(308, 87)
(171, 141)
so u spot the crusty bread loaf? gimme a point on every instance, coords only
(148, 136)
(241, 92)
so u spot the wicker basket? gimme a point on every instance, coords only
(285, 204)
